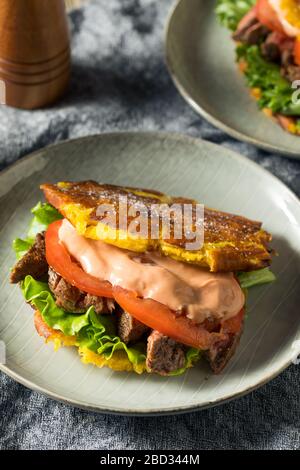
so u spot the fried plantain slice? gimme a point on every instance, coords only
(231, 242)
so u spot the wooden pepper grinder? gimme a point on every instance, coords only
(34, 52)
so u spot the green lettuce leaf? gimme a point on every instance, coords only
(276, 91)
(230, 12)
(43, 215)
(21, 247)
(254, 278)
(100, 337)
(39, 295)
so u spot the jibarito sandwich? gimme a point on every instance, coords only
(267, 33)
(130, 300)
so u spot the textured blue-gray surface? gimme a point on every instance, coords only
(120, 82)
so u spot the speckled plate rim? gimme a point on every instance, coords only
(203, 111)
(158, 411)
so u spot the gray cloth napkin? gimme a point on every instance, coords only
(120, 82)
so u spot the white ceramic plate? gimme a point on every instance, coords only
(180, 166)
(200, 55)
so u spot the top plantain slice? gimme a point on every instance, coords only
(231, 242)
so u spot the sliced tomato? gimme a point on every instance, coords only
(159, 317)
(297, 51)
(60, 260)
(267, 16)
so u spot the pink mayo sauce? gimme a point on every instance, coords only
(178, 285)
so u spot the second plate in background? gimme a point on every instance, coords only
(200, 55)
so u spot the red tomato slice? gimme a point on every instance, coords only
(297, 51)
(267, 16)
(60, 260)
(159, 317)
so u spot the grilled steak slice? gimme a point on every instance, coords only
(270, 50)
(221, 352)
(250, 30)
(253, 34)
(67, 296)
(130, 329)
(278, 48)
(100, 304)
(164, 355)
(287, 58)
(74, 300)
(33, 262)
(274, 46)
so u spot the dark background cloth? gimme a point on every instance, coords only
(120, 82)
